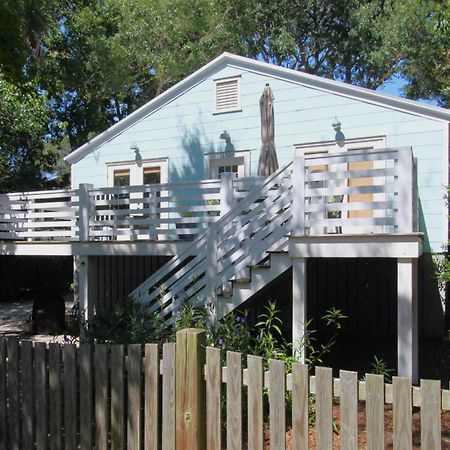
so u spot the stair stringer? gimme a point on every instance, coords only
(259, 278)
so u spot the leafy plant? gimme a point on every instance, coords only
(380, 367)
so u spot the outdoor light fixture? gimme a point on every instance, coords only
(225, 136)
(137, 155)
(336, 125)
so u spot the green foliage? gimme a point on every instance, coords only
(380, 367)
(127, 324)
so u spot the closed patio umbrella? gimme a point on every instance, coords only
(268, 162)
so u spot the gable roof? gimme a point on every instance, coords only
(263, 68)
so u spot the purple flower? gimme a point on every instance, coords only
(240, 319)
(220, 341)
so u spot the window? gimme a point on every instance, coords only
(129, 173)
(221, 162)
(227, 96)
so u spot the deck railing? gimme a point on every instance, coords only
(348, 192)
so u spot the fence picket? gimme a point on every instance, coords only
(26, 381)
(168, 402)
(70, 396)
(101, 396)
(213, 392)
(117, 398)
(86, 396)
(40, 397)
(277, 390)
(151, 405)
(430, 416)
(234, 401)
(375, 411)
(255, 402)
(54, 393)
(134, 397)
(402, 413)
(349, 409)
(324, 406)
(3, 415)
(300, 403)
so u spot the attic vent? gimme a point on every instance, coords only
(228, 95)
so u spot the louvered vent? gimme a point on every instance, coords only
(228, 95)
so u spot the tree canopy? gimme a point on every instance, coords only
(70, 69)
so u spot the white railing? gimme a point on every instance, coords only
(237, 240)
(297, 199)
(36, 216)
(351, 192)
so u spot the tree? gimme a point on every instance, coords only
(24, 160)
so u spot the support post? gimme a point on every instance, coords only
(299, 303)
(405, 183)
(298, 196)
(81, 281)
(407, 323)
(84, 211)
(211, 273)
(190, 417)
(226, 192)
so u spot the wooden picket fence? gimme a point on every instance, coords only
(113, 396)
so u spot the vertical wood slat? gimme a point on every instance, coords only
(70, 396)
(134, 416)
(26, 381)
(151, 405)
(86, 396)
(234, 401)
(255, 375)
(213, 392)
(324, 408)
(300, 413)
(375, 411)
(349, 409)
(430, 414)
(101, 396)
(54, 382)
(402, 413)
(277, 391)
(3, 415)
(40, 398)
(13, 393)
(168, 401)
(117, 398)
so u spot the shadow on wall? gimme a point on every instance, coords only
(431, 294)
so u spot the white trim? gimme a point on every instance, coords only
(241, 63)
(240, 158)
(233, 108)
(445, 163)
(357, 246)
(136, 170)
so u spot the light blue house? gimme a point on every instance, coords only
(361, 175)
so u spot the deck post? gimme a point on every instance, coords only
(298, 197)
(407, 333)
(405, 178)
(190, 392)
(299, 303)
(226, 192)
(84, 211)
(81, 281)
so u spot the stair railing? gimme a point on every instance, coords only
(240, 238)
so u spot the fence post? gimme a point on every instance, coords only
(298, 196)
(84, 211)
(226, 192)
(190, 396)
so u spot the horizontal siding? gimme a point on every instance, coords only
(186, 128)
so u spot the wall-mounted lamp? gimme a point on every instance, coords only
(225, 136)
(336, 124)
(137, 155)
